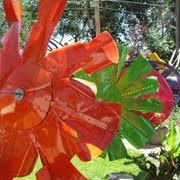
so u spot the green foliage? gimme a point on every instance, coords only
(169, 159)
(73, 23)
(162, 39)
(138, 25)
(172, 140)
(175, 113)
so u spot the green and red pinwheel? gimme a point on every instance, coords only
(144, 95)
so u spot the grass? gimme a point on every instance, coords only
(98, 169)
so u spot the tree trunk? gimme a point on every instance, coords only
(90, 19)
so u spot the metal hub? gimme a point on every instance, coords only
(18, 94)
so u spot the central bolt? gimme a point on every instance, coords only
(18, 94)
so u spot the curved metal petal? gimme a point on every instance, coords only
(9, 54)
(93, 56)
(12, 10)
(101, 52)
(165, 95)
(17, 155)
(48, 15)
(54, 151)
(95, 122)
(65, 61)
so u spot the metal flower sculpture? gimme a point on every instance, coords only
(43, 110)
(144, 95)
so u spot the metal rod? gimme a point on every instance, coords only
(97, 17)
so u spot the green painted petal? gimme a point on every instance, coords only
(82, 75)
(138, 69)
(104, 154)
(116, 149)
(111, 94)
(143, 105)
(123, 50)
(146, 86)
(100, 90)
(136, 129)
(104, 76)
(102, 79)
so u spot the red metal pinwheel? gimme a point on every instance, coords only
(42, 109)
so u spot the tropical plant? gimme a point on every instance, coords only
(165, 164)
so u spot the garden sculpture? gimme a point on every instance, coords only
(46, 111)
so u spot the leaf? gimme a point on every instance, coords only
(146, 86)
(116, 149)
(173, 140)
(172, 136)
(136, 129)
(143, 105)
(138, 69)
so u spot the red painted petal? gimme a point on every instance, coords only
(65, 61)
(95, 122)
(87, 89)
(84, 151)
(9, 54)
(12, 10)
(17, 155)
(101, 52)
(43, 174)
(94, 56)
(54, 150)
(48, 16)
